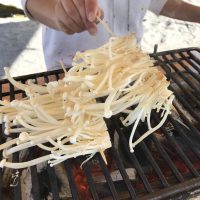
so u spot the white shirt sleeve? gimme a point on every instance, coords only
(23, 2)
(156, 6)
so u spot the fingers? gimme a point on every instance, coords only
(64, 22)
(80, 6)
(90, 26)
(91, 9)
(72, 11)
(74, 16)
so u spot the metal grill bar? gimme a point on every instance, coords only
(34, 178)
(178, 96)
(17, 188)
(172, 76)
(185, 67)
(108, 177)
(46, 79)
(167, 159)
(57, 77)
(194, 130)
(72, 183)
(132, 156)
(182, 75)
(178, 149)
(194, 57)
(173, 190)
(187, 105)
(184, 134)
(192, 64)
(53, 182)
(35, 183)
(190, 95)
(90, 182)
(123, 172)
(152, 161)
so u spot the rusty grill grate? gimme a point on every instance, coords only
(166, 164)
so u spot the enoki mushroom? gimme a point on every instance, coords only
(124, 75)
(65, 118)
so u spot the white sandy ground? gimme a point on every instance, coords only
(21, 50)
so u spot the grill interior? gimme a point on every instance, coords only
(166, 164)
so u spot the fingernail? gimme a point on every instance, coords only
(93, 31)
(91, 16)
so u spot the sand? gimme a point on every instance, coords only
(21, 50)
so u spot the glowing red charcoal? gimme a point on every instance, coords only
(81, 180)
(81, 183)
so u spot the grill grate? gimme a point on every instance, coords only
(180, 148)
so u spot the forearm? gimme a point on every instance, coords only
(181, 10)
(43, 11)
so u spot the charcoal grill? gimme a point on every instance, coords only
(178, 156)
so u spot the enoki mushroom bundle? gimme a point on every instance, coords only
(125, 75)
(48, 116)
(68, 113)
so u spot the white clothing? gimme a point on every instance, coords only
(123, 16)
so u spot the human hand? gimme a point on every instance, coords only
(75, 16)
